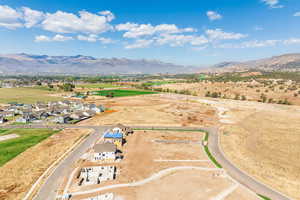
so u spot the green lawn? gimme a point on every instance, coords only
(97, 85)
(28, 138)
(122, 93)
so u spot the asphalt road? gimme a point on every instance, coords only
(48, 190)
(237, 174)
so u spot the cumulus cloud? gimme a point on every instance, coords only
(10, 18)
(56, 38)
(272, 3)
(212, 15)
(140, 43)
(58, 22)
(219, 34)
(133, 30)
(63, 22)
(109, 15)
(32, 17)
(297, 14)
(180, 40)
(95, 38)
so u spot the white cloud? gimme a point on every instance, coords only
(42, 38)
(140, 43)
(180, 40)
(62, 22)
(32, 17)
(61, 38)
(219, 34)
(9, 17)
(89, 38)
(212, 15)
(95, 38)
(109, 15)
(56, 38)
(292, 41)
(297, 14)
(272, 3)
(133, 30)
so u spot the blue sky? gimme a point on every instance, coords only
(196, 32)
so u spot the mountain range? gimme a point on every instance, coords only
(27, 64)
(286, 62)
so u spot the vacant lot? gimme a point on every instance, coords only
(145, 154)
(156, 110)
(26, 95)
(18, 175)
(266, 145)
(122, 93)
(27, 138)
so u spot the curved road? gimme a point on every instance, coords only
(48, 190)
(237, 174)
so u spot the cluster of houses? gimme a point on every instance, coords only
(107, 150)
(62, 112)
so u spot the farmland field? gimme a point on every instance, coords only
(26, 95)
(97, 85)
(122, 93)
(28, 138)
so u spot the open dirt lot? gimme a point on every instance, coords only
(141, 153)
(266, 145)
(20, 173)
(153, 110)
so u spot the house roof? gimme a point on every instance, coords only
(105, 147)
(113, 135)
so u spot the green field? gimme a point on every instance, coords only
(26, 95)
(28, 138)
(122, 93)
(97, 85)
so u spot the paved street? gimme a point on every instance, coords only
(48, 190)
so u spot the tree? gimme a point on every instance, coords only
(67, 87)
(244, 97)
(214, 95)
(207, 94)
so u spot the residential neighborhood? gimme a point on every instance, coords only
(61, 112)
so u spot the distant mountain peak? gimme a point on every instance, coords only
(86, 65)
